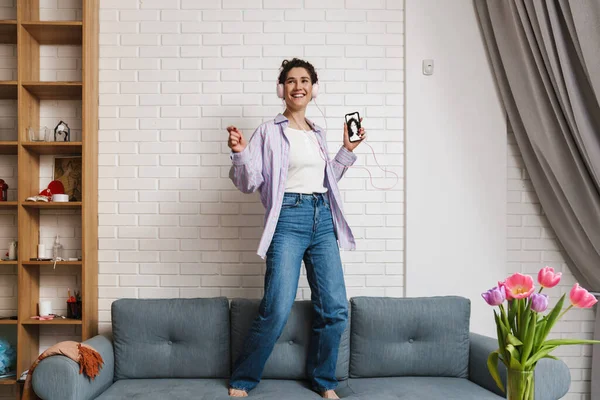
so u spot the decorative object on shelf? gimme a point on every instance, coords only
(62, 129)
(8, 359)
(60, 198)
(12, 250)
(68, 171)
(43, 317)
(57, 249)
(3, 190)
(41, 248)
(74, 305)
(38, 198)
(41, 134)
(522, 329)
(45, 308)
(54, 187)
(23, 376)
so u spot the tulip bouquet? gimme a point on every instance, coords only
(522, 327)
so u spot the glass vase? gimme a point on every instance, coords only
(520, 385)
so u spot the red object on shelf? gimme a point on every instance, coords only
(56, 187)
(3, 190)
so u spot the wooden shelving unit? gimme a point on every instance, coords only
(27, 32)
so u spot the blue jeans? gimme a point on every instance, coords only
(304, 232)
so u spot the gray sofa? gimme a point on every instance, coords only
(393, 348)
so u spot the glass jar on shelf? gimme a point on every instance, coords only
(41, 134)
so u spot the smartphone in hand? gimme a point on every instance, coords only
(353, 124)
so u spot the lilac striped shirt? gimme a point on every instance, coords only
(263, 166)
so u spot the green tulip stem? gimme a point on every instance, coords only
(564, 312)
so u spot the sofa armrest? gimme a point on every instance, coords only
(552, 377)
(58, 378)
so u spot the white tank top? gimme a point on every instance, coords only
(306, 171)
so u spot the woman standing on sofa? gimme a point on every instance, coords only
(285, 161)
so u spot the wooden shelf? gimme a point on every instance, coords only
(9, 147)
(8, 381)
(8, 322)
(27, 263)
(7, 204)
(8, 31)
(55, 321)
(8, 89)
(54, 90)
(55, 32)
(2, 262)
(54, 147)
(52, 204)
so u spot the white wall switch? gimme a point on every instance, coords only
(427, 67)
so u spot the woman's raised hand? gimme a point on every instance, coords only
(236, 141)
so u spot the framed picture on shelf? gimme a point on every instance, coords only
(68, 171)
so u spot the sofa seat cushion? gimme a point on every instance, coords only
(204, 389)
(414, 388)
(171, 338)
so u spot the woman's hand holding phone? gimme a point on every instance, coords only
(357, 136)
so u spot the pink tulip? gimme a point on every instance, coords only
(519, 286)
(547, 278)
(582, 298)
(502, 286)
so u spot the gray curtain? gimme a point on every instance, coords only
(545, 56)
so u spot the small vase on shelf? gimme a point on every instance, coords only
(520, 385)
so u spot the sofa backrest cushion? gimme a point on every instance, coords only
(409, 337)
(288, 359)
(171, 338)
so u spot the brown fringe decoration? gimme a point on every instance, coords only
(90, 361)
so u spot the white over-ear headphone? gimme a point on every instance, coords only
(315, 90)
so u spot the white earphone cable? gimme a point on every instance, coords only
(358, 166)
(325, 157)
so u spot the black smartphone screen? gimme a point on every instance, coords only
(353, 124)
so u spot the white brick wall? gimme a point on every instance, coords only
(533, 245)
(173, 75)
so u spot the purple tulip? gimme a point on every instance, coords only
(539, 302)
(494, 297)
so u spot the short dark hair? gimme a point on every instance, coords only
(287, 65)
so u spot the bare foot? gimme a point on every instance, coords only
(329, 394)
(241, 393)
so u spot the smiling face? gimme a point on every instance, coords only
(297, 89)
